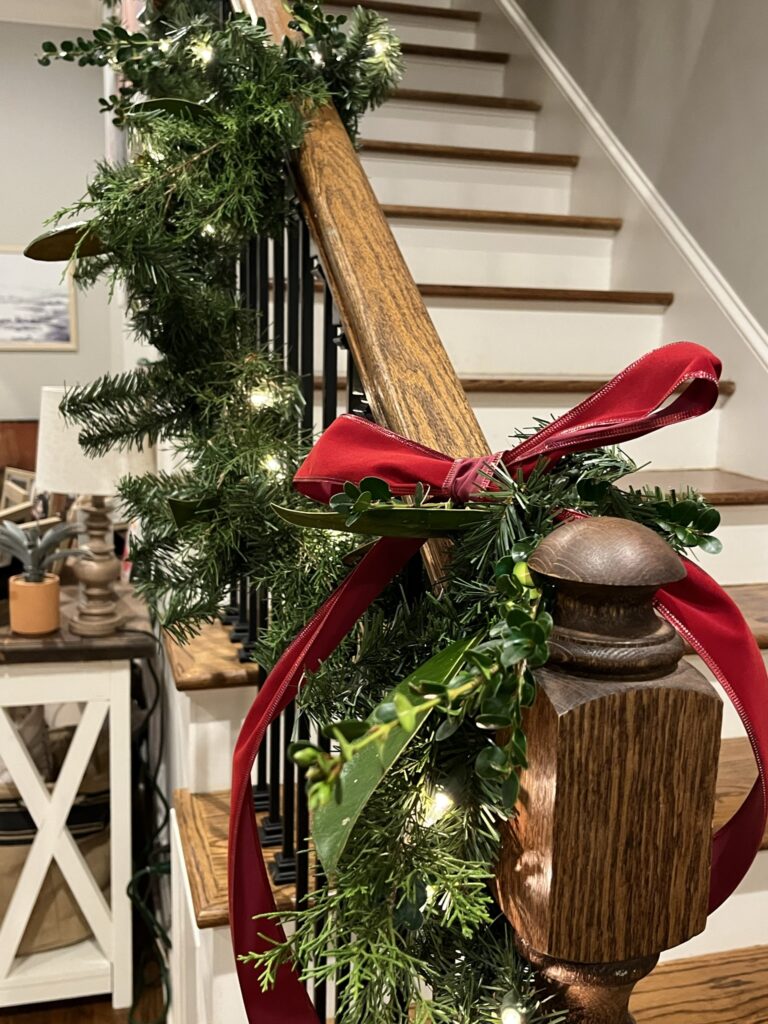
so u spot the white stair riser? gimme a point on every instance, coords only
(451, 125)
(426, 29)
(739, 923)
(684, 444)
(473, 184)
(744, 558)
(446, 253)
(489, 337)
(473, 76)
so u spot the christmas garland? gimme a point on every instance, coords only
(211, 111)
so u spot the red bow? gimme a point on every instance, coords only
(630, 405)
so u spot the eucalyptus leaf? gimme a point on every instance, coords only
(184, 512)
(389, 521)
(64, 242)
(333, 823)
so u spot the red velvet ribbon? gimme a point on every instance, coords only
(634, 403)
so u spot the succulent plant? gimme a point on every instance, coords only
(37, 551)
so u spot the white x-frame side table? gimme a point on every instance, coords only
(95, 674)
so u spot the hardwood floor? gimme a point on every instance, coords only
(97, 1010)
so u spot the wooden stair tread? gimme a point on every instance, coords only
(736, 774)
(752, 599)
(722, 988)
(502, 217)
(719, 486)
(203, 823)
(455, 53)
(530, 385)
(386, 6)
(203, 820)
(209, 661)
(464, 99)
(475, 154)
(498, 293)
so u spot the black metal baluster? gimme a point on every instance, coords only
(302, 824)
(261, 260)
(330, 361)
(284, 865)
(261, 788)
(240, 629)
(294, 300)
(271, 831)
(307, 330)
(229, 612)
(278, 294)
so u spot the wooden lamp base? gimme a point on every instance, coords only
(96, 613)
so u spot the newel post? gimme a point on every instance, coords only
(608, 862)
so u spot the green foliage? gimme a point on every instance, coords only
(36, 551)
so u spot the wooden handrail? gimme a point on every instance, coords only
(407, 375)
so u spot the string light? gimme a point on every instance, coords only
(271, 464)
(164, 45)
(511, 1010)
(436, 806)
(203, 51)
(208, 229)
(263, 398)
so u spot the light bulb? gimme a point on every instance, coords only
(436, 806)
(262, 398)
(203, 51)
(208, 229)
(512, 1015)
(271, 464)
(164, 45)
(317, 58)
(380, 47)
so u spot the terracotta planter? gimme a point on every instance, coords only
(34, 607)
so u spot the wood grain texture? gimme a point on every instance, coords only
(495, 293)
(718, 486)
(134, 639)
(209, 661)
(471, 153)
(18, 444)
(608, 859)
(465, 99)
(455, 53)
(723, 988)
(203, 820)
(421, 10)
(454, 215)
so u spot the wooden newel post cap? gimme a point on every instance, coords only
(607, 859)
(605, 573)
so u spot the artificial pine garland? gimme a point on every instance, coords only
(212, 111)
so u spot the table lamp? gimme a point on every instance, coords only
(64, 468)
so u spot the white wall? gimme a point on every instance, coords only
(683, 85)
(51, 134)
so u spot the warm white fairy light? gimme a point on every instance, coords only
(208, 229)
(203, 51)
(380, 47)
(164, 45)
(272, 465)
(436, 806)
(317, 58)
(512, 1015)
(263, 398)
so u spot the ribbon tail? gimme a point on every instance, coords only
(702, 612)
(250, 892)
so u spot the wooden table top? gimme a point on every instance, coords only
(135, 638)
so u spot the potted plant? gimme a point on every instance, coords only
(34, 594)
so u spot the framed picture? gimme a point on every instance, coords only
(37, 305)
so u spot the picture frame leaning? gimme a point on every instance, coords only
(38, 310)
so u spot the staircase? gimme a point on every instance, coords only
(532, 297)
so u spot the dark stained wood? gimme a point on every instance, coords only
(607, 861)
(455, 53)
(93, 1010)
(502, 156)
(421, 10)
(489, 293)
(18, 444)
(722, 988)
(719, 486)
(531, 385)
(135, 638)
(203, 820)
(209, 661)
(558, 221)
(752, 599)
(465, 99)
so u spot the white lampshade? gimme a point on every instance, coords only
(62, 465)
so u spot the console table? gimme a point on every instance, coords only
(95, 674)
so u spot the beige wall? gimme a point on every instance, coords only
(51, 134)
(684, 84)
